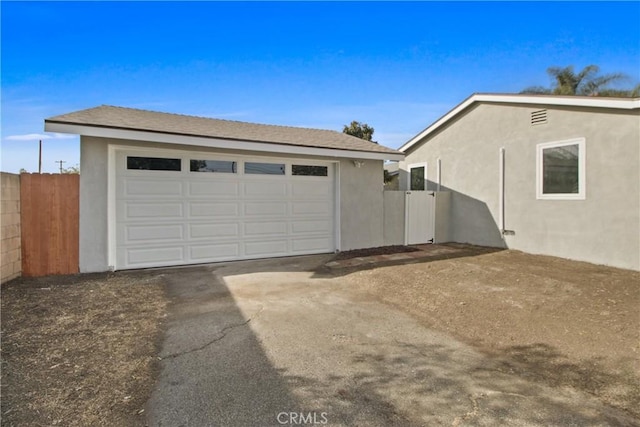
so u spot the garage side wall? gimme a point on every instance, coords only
(394, 217)
(93, 205)
(361, 205)
(604, 228)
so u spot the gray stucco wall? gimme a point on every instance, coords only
(604, 228)
(361, 206)
(394, 217)
(93, 205)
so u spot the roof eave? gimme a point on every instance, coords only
(211, 142)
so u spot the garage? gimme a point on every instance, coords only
(184, 208)
(162, 189)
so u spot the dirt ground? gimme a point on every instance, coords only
(564, 323)
(79, 350)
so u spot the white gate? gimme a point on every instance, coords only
(419, 220)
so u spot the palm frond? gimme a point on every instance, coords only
(535, 90)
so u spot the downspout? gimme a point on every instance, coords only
(501, 193)
(438, 173)
(501, 198)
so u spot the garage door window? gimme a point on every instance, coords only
(264, 168)
(153, 163)
(307, 170)
(218, 166)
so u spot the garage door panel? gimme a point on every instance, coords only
(213, 210)
(265, 248)
(262, 189)
(311, 208)
(202, 231)
(166, 210)
(314, 226)
(208, 188)
(311, 190)
(152, 233)
(312, 245)
(252, 229)
(213, 252)
(265, 208)
(152, 188)
(154, 255)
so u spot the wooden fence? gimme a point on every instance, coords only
(49, 208)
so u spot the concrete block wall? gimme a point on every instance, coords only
(10, 257)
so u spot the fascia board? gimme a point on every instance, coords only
(137, 135)
(570, 101)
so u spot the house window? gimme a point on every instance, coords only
(153, 163)
(307, 170)
(561, 170)
(417, 177)
(264, 168)
(218, 166)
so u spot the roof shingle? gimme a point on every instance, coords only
(107, 116)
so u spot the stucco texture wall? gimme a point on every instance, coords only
(394, 217)
(603, 229)
(10, 211)
(361, 204)
(360, 195)
(93, 205)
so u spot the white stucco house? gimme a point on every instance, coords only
(543, 174)
(160, 189)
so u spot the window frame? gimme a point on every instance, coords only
(233, 171)
(306, 165)
(267, 162)
(581, 194)
(151, 158)
(416, 166)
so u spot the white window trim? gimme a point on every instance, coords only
(417, 165)
(581, 195)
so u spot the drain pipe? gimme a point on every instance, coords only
(501, 193)
(501, 198)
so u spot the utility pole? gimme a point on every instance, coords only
(40, 158)
(61, 162)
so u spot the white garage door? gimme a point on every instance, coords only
(194, 208)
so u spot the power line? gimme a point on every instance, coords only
(61, 162)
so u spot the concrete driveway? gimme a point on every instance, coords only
(273, 343)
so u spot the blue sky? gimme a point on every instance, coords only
(396, 66)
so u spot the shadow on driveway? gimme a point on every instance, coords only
(340, 266)
(213, 368)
